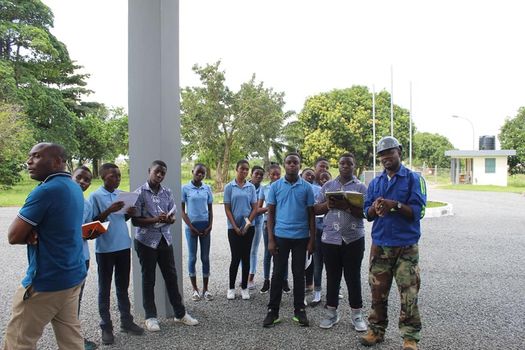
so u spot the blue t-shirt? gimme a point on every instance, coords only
(240, 200)
(117, 236)
(291, 207)
(407, 187)
(88, 215)
(54, 209)
(319, 218)
(197, 200)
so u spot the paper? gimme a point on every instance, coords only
(356, 199)
(129, 199)
(308, 260)
(97, 226)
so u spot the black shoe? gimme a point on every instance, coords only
(132, 328)
(286, 287)
(271, 319)
(107, 337)
(299, 316)
(266, 287)
(89, 345)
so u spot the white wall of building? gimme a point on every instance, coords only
(499, 178)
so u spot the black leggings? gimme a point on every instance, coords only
(240, 247)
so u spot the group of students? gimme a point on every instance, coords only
(292, 213)
(284, 213)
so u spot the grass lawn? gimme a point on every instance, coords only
(432, 204)
(485, 188)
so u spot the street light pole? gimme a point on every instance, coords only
(472, 126)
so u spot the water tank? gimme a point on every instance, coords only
(487, 142)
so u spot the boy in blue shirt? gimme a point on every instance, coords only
(291, 228)
(112, 252)
(83, 176)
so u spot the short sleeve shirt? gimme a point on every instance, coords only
(54, 209)
(150, 204)
(240, 200)
(116, 238)
(340, 226)
(197, 199)
(291, 201)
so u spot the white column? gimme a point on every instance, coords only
(154, 118)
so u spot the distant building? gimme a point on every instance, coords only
(485, 167)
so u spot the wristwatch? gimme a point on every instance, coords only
(398, 206)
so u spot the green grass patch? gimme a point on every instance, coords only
(484, 188)
(432, 204)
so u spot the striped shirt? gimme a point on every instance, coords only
(340, 226)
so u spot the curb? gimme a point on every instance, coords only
(437, 212)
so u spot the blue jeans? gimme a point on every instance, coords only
(255, 247)
(268, 257)
(192, 249)
(318, 261)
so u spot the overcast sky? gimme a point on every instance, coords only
(463, 58)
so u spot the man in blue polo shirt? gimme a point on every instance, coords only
(291, 228)
(395, 202)
(49, 224)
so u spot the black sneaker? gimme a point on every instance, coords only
(107, 337)
(132, 328)
(299, 316)
(271, 319)
(286, 287)
(266, 287)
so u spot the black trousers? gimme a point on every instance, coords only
(240, 247)
(339, 259)
(149, 258)
(120, 261)
(280, 265)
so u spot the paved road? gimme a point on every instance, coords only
(472, 297)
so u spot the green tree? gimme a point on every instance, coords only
(430, 149)
(101, 134)
(262, 109)
(341, 120)
(37, 73)
(512, 136)
(15, 142)
(222, 126)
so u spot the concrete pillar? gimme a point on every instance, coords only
(154, 118)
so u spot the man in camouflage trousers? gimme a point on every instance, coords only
(395, 202)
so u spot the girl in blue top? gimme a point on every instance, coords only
(240, 205)
(197, 213)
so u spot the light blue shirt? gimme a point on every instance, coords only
(197, 200)
(318, 219)
(117, 236)
(291, 207)
(88, 215)
(240, 200)
(263, 195)
(258, 218)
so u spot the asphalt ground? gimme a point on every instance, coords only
(472, 293)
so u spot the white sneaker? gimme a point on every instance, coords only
(245, 293)
(358, 321)
(251, 285)
(317, 297)
(230, 295)
(196, 296)
(187, 320)
(152, 325)
(207, 296)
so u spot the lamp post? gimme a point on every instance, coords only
(472, 126)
